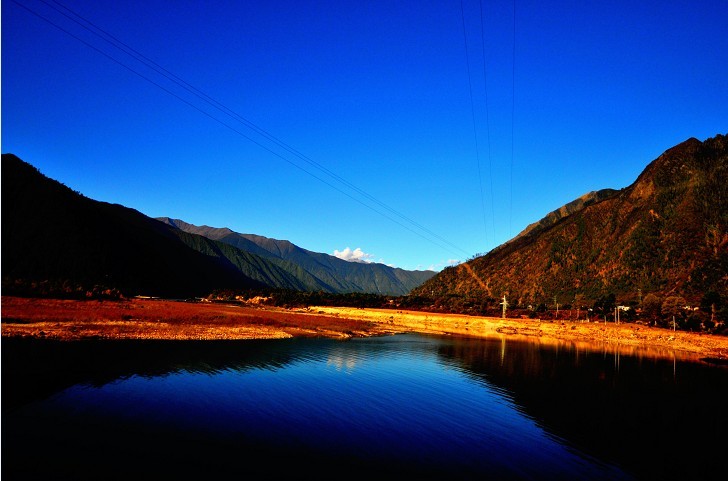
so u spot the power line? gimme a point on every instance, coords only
(472, 111)
(487, 119)
(221, 107)
(513, 115)
(115, 42)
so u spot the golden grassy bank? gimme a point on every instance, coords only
(160, 319)
(626, 337)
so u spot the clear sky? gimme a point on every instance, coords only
(344, 125)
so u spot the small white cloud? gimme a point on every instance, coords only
(356, 255)
(453, 262)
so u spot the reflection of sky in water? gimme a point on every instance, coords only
(384, 398)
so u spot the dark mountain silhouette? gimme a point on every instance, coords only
(667, 234)
(324, 272)
(58, 242)
(55, 240)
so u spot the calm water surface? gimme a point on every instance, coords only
(389, 407)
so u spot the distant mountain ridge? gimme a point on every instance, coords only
(57, 242)
(667, 234)
(330, 273)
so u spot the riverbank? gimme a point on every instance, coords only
(627, 338)
(177, 320)
(168, 320)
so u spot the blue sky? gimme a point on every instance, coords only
(369, 107)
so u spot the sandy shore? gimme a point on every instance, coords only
(159, 319)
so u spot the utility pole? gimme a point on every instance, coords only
(505, 304)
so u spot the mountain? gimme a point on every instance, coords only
(566, 210)
(328, 273)
(666, 234)
(56, 241)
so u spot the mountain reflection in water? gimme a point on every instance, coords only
(660, 418)
(395, 406)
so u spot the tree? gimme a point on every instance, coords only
(673, 308)
(651, 308)
(628, 315)
(711, 303)
(605, 305)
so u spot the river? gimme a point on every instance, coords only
(393, 407)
